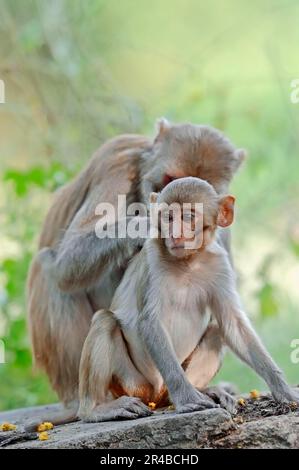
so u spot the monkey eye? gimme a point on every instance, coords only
(188, 216)
(167, 216)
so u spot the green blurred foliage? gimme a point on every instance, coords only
(78, 72)
(267, 293)
(46, 178)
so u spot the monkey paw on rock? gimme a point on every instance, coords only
(122, 408)
(290, 396)
(294, 397)
(222, 397)
(196, 402)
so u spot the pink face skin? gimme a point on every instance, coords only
(188, 227)
(187, 236)
(196, 232)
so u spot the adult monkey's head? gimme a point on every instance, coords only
(181, 150)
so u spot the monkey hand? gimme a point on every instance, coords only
(289, 395)
(193, 400)
(222, 397)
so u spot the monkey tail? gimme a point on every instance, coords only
(59, 418)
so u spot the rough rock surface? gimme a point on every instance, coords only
(257, 425)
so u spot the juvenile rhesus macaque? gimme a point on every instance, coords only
(177, 300)
(75, 274)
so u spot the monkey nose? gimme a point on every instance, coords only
(177, 241)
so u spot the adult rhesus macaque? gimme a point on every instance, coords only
(174, 303)
(85, 271)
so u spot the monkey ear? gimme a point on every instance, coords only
(153, 198)
(162, 126)
(226, 211)
(241, 155)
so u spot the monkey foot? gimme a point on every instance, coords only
(121, 408)
(290, 395)
(222, 397)
(190, 407)
(201, 402)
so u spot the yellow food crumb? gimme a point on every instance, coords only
(171, 407)
(254, 394)
(49, 425)
(43, 436)
(152, 405)
(242, 402)
(238, 420)
(8, 427)
(293, 405)
(46, 426)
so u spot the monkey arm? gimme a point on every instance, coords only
(82, 257)
(240, 336)
(224, 239)
(159, 347)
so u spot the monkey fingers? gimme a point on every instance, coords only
(198, 402)
(290, 395)
(121, 408)
(222, 397)
(190, 407)
(295, 396)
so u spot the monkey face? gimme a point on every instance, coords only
(189, 211)
(184, 234)
(194, 150)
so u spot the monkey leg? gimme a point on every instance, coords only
(204, 364)
(206, 359)
(122, 408)
(58, 324)
(110, 385)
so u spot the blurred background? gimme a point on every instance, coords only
(78, 72)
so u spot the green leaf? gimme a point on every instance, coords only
(268, 302)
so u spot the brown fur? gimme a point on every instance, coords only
(110, 360)
(132, 165)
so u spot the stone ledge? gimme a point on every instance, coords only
(204, 429)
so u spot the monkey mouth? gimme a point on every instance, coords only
(181, 253)
(177, 247)
(177, 250)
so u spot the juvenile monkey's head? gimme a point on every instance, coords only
(187, 213)
(182, 150)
